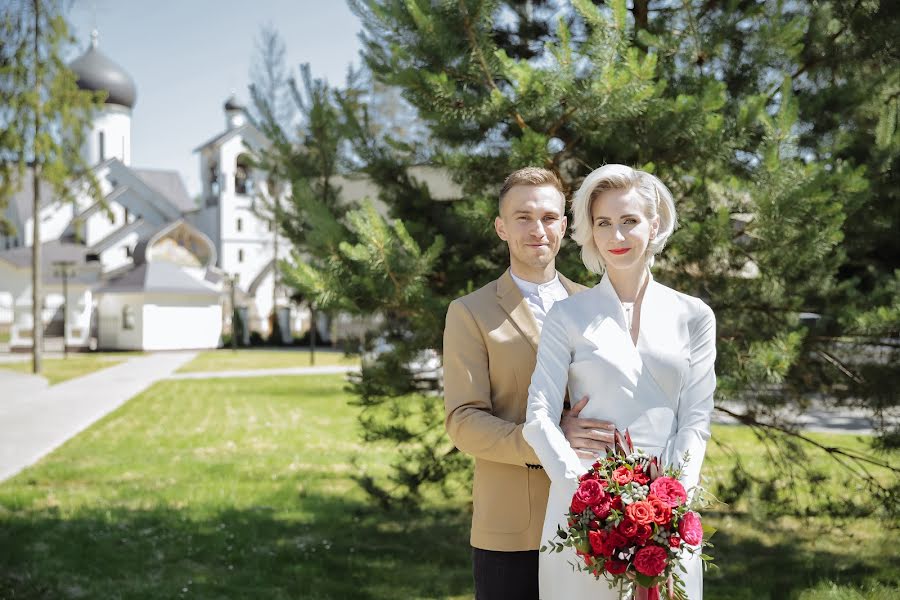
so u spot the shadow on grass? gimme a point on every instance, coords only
(783, 566)
(330, 547)
(341, 550)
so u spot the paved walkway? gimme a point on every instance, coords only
(324, 370)
(35, 419)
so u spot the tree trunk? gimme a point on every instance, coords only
(37, 325)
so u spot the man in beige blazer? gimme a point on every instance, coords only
(490, 349)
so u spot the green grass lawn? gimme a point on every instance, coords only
(57, 370)
(242, 489)
(230, 360)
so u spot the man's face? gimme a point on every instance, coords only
(532, 221)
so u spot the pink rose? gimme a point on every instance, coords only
(601, 509)
(669, 491)
(589, 492)
(690, 529)
(662, 513)
(622, 475)
(651, 561)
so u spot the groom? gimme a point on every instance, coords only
(490, 344)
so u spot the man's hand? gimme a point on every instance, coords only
(588, 437)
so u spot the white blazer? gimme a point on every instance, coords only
(661, 390)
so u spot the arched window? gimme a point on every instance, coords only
(213, 178)
(240, 256)
(101, 141)
(243, 182)
(127, 317)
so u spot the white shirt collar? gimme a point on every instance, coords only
(538, 289)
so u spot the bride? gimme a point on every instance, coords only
(644, 354)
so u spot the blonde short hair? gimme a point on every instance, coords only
(657, 202)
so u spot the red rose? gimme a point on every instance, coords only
(662, 514)
(690, 529)
(628, 528)
(601, 509)
(616, 567)
(596, 539)
(669, 491)
(622, 475)
(643, 534)
(612, 541)
(674, 541)
(640, 477)
(577, 506)
(616, 503)
(589, 492)
(651, 561)
(640, 512)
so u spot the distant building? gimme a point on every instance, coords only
(151, 267)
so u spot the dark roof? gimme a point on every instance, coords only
(96, 72)
(170, 185)
(85, 272)
(157, 276)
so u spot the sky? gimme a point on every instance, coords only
(187, 56)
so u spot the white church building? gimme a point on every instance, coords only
(148, 268)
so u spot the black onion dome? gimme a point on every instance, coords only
(96, 72)
(233, 104)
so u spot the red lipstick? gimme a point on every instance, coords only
(619, 250)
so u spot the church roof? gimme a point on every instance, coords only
(160, 277)
(52, 251)
(97, 72)
(170, 185)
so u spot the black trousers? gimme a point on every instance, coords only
(505, 575)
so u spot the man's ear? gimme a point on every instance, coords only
(500, 228)
(565, 224)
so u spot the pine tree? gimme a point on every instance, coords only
(43, 120)
(711, 97)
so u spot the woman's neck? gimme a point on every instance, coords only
(629, 284)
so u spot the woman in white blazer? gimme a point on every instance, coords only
(642, 352)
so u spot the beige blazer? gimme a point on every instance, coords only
(490, 349)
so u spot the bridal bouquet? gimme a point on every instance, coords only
(629, 521)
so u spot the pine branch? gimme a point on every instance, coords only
(750, 420)
(489, 79)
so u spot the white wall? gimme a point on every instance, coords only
(116, 255)
(99, 225)
(54, 221)
(115, 123)
(110, 333)
(173, 322)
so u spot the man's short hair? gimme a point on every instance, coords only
(531, 176)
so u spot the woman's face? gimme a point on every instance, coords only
(621, 229)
